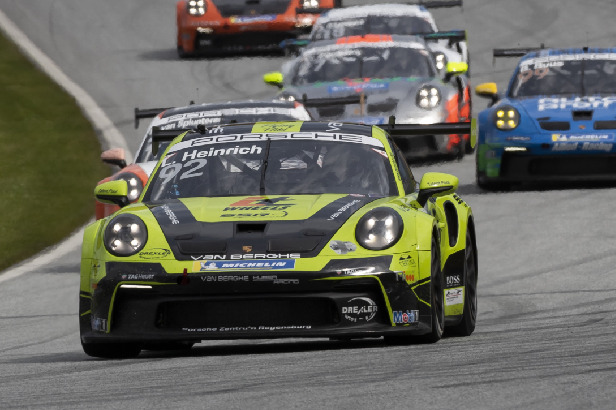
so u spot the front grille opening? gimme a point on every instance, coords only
(585, 115)
(555, 125)
(195, 314)
(250, 227)
(605, 125)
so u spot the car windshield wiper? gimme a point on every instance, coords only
(264, 167)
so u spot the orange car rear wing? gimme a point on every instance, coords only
(515, 52)
(147, 113)
(435, 4)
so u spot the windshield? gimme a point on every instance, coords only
(364, 62)
(306, 166)
(566, 75)
(405, 25)
(190, 120)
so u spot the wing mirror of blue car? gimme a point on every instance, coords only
(435, 184)
(274, 78)
(113, 192)
(487, 90)
(114, 156)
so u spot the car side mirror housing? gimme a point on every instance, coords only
(455, 68)
(115, 156)
(434, 184)
(274, 78)
(113, 192)
(487, 90)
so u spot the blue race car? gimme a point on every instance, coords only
(556, 122)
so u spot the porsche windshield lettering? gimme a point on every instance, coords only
(323, 136)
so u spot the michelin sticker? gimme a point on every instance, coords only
(273, 264)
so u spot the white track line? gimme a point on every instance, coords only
(107, 132)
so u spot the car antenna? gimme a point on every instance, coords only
(201, 128)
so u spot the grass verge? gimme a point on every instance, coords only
(49, 160)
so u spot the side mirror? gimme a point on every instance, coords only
(455, 68)
(487, 90)
(436, 184)
(274, 78)
(113, 192)
(115, 156)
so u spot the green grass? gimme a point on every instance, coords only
(49, 160)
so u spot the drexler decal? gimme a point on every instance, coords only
(359, 309)
(157, 253)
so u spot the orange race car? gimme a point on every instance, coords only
(236, 25)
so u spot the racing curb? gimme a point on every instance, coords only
(108, 135)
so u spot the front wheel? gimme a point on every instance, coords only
(469, 317)
(111, 350)
(437, 302)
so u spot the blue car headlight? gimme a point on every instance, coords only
(379, 229)
(125, 235)
(506, 118)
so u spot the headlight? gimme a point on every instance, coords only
(285, 97)
(379, 229)
(125, 235)
(196, 7)
(310, 4)
(440, 60)
(135, 186)
(506, 118)
(428, 97)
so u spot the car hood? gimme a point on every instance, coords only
(276, 226)
(545, 109)
(383, 97)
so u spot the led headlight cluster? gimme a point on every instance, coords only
(196, 7)
(428, 97)
(506, 118)
(135, 186)
(440, 60)
(310, 4)
(379, 229)
(125, 235)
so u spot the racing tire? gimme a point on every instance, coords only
(182, 53)
(437, 299)
(468, 148)
(111, 350)
(337, 3)
(483, 183)
(469, 316)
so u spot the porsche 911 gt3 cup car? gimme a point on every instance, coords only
(219, 25)
(556, 121)
(401, 19)
(180, 119)
(278, 229)
(392, 75)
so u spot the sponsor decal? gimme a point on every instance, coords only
(190, 123)
(212, 152)
(404, 317)
(275, 280)
(157, 253)
(137, 276)
(406, 260)
(238, 256)
(454, 296)
(274, 264)
(518, 138)
(452, 281)
(174, 220)
(357, 87)
(565, 146)
(99, 324)
(406, 276)
(252, 19)
(356, 271)
(224, 329)
(246, 248)
(343, 209)
(574, 103)
(359, 309)
(341, 247)
(596, 146)
(264, 206)
(225, 278)
(582, 138)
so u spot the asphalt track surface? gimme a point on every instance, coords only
(546, 330)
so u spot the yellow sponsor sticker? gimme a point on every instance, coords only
(294, 126)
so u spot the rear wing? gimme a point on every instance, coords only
(514, 52)
(147, 113)
(294, 45)
(435, 4)
(159, 135)
(409, 130)
(301, 10)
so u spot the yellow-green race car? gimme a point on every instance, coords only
(275, 230)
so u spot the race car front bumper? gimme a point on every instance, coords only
(246, 305)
